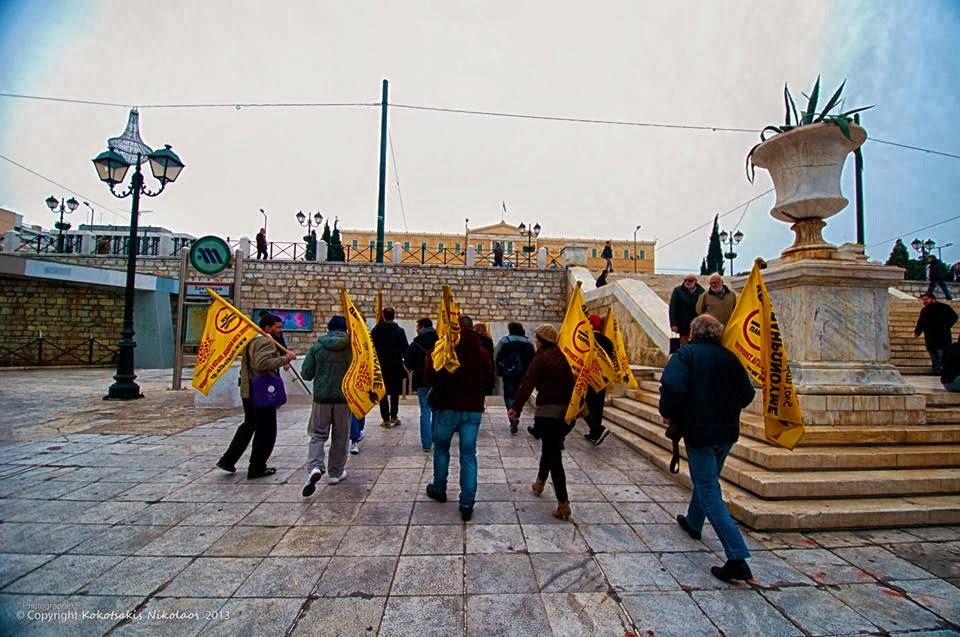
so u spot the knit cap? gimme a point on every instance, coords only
(337, 324)
(547, 332)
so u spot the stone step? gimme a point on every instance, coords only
(942, 398)
(943, 415)
(810, 514)
(914, 370)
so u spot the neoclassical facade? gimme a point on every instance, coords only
(440, 248)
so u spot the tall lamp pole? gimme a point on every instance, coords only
(264, 218)
(311, 221)
(92, 211)
(635, 231)
(530, 234)
(112, 165)
(731, 240)
(925, 247)
(58, 204)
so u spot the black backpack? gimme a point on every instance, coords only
(509, 365)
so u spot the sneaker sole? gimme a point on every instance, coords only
(311, 486)
(601, 438)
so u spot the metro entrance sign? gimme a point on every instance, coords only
(210, 255)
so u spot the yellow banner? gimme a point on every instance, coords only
(621, 364)
(226, 332)
(753, 335)
(444, 355)
(589, 363)
(363, 384)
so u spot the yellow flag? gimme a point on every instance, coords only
(226, 332)
(363, 384)
(589, 363)
(444, 355)
(379, 311)
(619, 360)
(753, 335)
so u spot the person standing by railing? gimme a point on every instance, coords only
(262, 244)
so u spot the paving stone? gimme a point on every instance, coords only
(434, 540)
(136, 575)
(937, 596)
(495, 538)
(428, 575)
(254, 618)
(403, 617)
(17, 537)
(333, 513)
(517, 615)
(274, 514)
(823, 566)
(940, 559)
(353, 576)
(636, 572)
(64, 575)
(386, 513)
(241, 541)
(576, 614)
(211, 577)
(120, 540)
(310, 541)
(369, 540)
(743, 612)
(219, 513)
(13, 565)
(567, 573)
(172, 617)
(818, 612)
(283, 577)
(886, 607)
(340, 617)
(881, 563)
(500, 574)
(659, 613)
(611, 538)
(184, 540)
(641, 512)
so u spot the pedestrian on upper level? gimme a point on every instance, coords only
(262, 244)
(512, 358)
(938, 274)
(458, 405)
(261, 357)
(326, 364)
(718, 300)
(683, 306)
(702, 391)
(550, 375)
(497, 255)
(608, 255)
(418, 354)
(934, 323)
(391, 344)
(602, 279)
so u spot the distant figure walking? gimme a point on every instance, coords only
(938, 274)
(391, 344)
(934, 323)
(608, 255)
(497, 255)
(262, 244)
(512, 357)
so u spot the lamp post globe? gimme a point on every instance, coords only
(58, 205)
(731, 239)
(112, 165)
(530, 234)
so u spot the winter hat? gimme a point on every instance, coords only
(337, 324)
(547, 333)
(596, 321)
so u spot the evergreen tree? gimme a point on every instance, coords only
(703, 268)
(325, 237)
(336, 247)
(715, 251)
(914, 269)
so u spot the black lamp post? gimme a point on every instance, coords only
(112, 165)
(923, 247)
(311, 221)
(53, 203)
(635, 231)
(530, 234)
(731, 240)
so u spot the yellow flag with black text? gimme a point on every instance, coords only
(444, 355)
(362, 385)
(621, 364)
(590, 365)
(226, 332)
(753, 335)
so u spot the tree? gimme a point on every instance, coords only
(336, 247)
(914, 269)
(715, 251)
(325, 237)
(703, 268)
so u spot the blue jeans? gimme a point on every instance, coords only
(356, 428)
(467, 424)
(705, 465)
(426, 418)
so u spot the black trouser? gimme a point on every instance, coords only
(389, 406)
(595, 412)
(552, 433)
(259, 423)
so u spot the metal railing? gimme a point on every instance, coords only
(44, 351)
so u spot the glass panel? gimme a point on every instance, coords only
(354, 244)
(641, 255)
(626, 254)
(594, 253)
(440, 247)
(456, 248)
(406, 246)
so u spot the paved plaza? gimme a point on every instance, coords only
(114, 521)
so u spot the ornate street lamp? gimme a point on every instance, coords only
(112, 164)
(53, 204)
(311, 221)
(635, 231)
(731, 240)
(530, 234)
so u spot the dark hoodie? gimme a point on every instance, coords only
(326, 364)
(464, 389)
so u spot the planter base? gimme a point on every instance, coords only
(808, 241)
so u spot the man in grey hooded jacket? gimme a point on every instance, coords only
(326, 364)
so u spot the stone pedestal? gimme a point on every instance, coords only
(224, 393)
(575, 255)
(833, 315)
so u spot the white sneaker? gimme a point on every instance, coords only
(311, 484)
(354, 448)
(340, 478)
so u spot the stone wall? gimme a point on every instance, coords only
(494, 296)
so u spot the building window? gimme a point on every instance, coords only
(456, 248)
(480, 247)
(406, 246)
(389, 245)
(354, 244)
(641, 255)
(594, 253)
(440, 247)
(423, 245)
(626, 254)
(509, 246)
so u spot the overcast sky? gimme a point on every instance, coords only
(216, 80)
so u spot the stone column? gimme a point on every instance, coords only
(11, 241)
(471, 256)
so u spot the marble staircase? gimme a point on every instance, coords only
(841, 476)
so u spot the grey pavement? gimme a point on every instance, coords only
(114, 521)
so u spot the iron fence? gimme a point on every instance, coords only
(44, 351)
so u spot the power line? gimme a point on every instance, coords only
(100, 206)
(723, 214)
(909, 232)
(917, 148)
(396, 176)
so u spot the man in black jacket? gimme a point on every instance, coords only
(934, 323)
(683, 304)
(702, 390)
(596, 399)
(417, 354)
(391, 344)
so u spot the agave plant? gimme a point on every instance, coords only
(793, 119)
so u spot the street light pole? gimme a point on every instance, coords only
(530, 234)
(635, 230)
(87, 204)
(311, 221)
(53, 203)
(731, 240)
(112, 166)
(264, 218)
